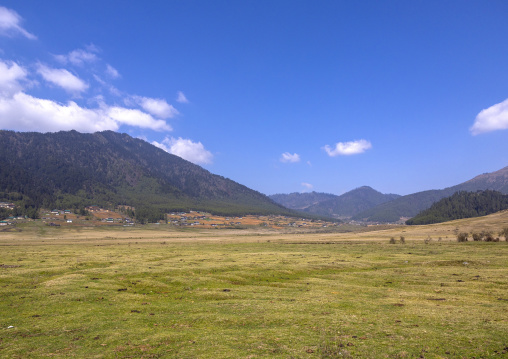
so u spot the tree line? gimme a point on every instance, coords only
(462, 204)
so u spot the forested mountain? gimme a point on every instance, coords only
(345, 205)
(462, 205)
(411, 205)
(72, 170)
(301, 201)
(351, 203)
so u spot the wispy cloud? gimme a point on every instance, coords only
(62, 78)
(112, 72)
(181, 98)
(10, 24)
(348, 148)
(11, 75)
(193, 152)
(77, 57)
(156, 106)
(491, 119)
(290, 158)
(307, 185)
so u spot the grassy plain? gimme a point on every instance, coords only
(156, 292)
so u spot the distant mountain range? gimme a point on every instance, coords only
(410, 205)
(325, 204)
(73, 170)
(368, 205)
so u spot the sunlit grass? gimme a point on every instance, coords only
(161, 293)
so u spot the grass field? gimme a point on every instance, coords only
(160, 293)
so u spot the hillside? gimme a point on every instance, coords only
(351, 203)
(301, 201)
(73, 170)
(324, 204)
(411, 205)
(462, 205)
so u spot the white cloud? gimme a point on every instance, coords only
(348, 148)
(112, 72)
(136, 118)
(10, 23)
(77, 57)
(193, 152)
(23, 112)
(62, 78)
(290, 158)
(307, 185)
(491, 119)
(156, 106)
(181, 98)
(10, 76)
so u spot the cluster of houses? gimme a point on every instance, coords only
(7, 205)
(10, 219)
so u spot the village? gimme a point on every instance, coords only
(97, 216)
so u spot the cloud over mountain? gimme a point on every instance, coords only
(193, 152)
(84, 76)
(491, 119)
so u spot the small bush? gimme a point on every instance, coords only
(476, 236)
(504, 233)
(487, 236)
(402, 240)
(462, 237)
(392, 240)
(427, 240)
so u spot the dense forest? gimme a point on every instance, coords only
(71, 170)
(462, 205)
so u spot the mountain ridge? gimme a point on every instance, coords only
(410, 205)
(345, 205)
(71, 169)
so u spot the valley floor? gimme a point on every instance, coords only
(158, 292)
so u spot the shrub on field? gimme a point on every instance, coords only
(427, 240)
(504, 233)
(476, 236)
(402, 240)
(392, 240)
(462, 237)
(487, 236)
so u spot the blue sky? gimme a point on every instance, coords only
(281, 96)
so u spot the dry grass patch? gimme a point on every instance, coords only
(158, 293)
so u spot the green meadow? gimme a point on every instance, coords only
(163, 293)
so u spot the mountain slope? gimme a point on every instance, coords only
(301, 201)
(462, 205)
(351, 203)
(410, 205)
(324, 204)
(71, 170)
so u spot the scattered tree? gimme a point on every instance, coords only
(504, 233)
(462, 237)
(476, 236)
